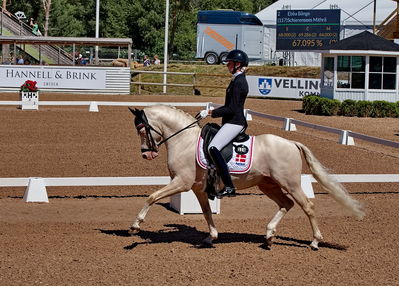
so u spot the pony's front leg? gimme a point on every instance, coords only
(206, 210)
(174, 187)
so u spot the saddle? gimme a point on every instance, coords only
(209, 131)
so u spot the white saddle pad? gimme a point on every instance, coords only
(239, 163)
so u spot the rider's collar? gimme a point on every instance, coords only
(237, 73)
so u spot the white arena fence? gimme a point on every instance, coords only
(36, 186)
(346, 136)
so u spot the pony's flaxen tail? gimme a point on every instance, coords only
(333, 187)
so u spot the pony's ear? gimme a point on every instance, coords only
(135, 111)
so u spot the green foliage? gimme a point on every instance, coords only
(364, 108)
(348, 108)
(329, 107)
(383, 108)
(311, 104)
(322, 106)
(67, 19)
(114, 15)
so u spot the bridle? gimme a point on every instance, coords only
(141, 122)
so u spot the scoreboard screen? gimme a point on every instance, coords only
(307, 29)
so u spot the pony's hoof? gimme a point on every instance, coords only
(205, 244)
(314, 246)
(133, 231)
(269, 241)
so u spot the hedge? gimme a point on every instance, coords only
(316, 105)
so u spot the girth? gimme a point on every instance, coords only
(209, 131)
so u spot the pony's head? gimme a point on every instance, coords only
(148, 135)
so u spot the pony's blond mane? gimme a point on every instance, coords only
(172, 110)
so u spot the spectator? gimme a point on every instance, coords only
(146, 61)
(35, 27)
(78, 58)
(20, 60)
(156, 60)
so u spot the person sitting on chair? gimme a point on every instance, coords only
(233, 119)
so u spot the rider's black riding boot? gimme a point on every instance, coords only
(223, 171)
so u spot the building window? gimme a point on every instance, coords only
(351, 72)
(382, 73)
(328, 72)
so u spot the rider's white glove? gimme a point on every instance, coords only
(204, 113)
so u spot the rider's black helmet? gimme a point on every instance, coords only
(238, 56)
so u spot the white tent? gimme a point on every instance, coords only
(356, 16)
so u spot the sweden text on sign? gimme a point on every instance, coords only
(307, 29)
(282, 87)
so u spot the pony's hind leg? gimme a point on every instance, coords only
(308, 207)
(274, 192)
(174, 187)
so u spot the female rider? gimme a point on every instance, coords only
(233, 119)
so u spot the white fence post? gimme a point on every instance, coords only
(288, 126)
(306, 185)
(247, 114)
(345, 139)
(36, 191)
(93, 106)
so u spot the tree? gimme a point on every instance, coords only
(114, 15)
(180, 9)
(46, 7)
(70, 19)
(146, 25)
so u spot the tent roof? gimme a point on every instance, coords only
(65, 41)
(359, 12)
(364, 41)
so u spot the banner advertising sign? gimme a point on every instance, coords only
(282, 87)
(53, 77)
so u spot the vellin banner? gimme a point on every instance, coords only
(282, 87)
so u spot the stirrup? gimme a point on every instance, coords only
(226, 192)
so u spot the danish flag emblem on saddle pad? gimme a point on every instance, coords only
(240, 161)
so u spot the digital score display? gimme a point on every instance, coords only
(307, 29)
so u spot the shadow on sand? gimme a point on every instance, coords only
(190, 235)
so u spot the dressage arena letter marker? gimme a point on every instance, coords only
(30, 100)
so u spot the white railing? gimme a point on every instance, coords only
(346, 136)
(36, 186)
(107, 103)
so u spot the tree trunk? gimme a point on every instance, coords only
(46, 6)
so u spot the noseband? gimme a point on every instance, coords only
(141, 121)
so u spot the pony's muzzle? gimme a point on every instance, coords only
(149, 155)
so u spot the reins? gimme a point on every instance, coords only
(174, 134)
(144, 123)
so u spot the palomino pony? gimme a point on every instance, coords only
(276, 168)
